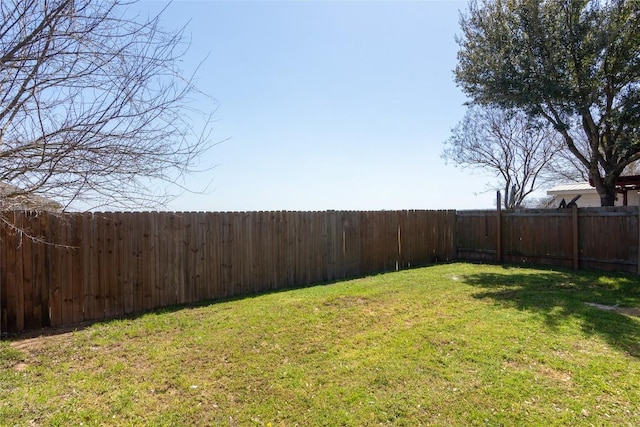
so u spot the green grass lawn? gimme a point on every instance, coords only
(456, 344)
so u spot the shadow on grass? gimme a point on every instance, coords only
(559, 296)
(48, 331)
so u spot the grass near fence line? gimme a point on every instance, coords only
(454, 344)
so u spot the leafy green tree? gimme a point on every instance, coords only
(576, 63)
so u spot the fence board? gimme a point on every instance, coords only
(11, 297)
(99, 259)
(36, 265)
(126, 261)
(165, 257)
(137, 244)
(87, 280)
(55, 292)
(74, 254)
(22, 252)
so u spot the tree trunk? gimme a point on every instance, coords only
(608, 196)
(605, 186)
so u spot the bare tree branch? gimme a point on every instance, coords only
(516, 149)
(93, 105)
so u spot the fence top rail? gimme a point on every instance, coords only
(599, 210)
(328, 211)
(476, 212)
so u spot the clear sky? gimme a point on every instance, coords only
(327, 104)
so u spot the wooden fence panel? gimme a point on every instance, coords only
(56, 271)
(539, 237)
(368, 236)
(137, 244)
(11, 297)
(608, 238)
(86, 259)
(100, 227)
(22, 252)
(118, 264)
(74, 255)
(166, 258)
(447, 231)
(476, 233)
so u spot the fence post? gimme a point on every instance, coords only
(576, 249)
(1, 282)
(499, 227)
(638, 240)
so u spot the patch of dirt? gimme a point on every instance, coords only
(540, 370)
(348, 301)
(33, 341)
(629, 311)
(20, 366)
(34, 344)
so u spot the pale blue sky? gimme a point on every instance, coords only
(328, 104)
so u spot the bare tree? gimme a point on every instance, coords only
(93, 106)
(508, 144)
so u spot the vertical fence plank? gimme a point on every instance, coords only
(213, 240)
(499, 228)
(40, 306)
(110, 286)
(258, 255)
(128, 260)
(27, 270)
(161, 266)
(99, 257)
(236, 254)
(5, 280)
(65, 272)
(176, 260)
(137, 248)
(22, 264)
(88, 272)
(55, 291)
(187, 247)
(75, 270)
(247, 254)
(575, 234)
(120, 261)
(226, 229)
(201, 254)
(149, 260)
(15, 292)
(165, 243)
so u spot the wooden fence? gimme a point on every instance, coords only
(106, 265)
(595, 238)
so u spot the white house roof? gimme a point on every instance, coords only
(574, 187)
(11, 199)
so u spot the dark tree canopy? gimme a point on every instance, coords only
(515, 148)
(92, 104)
(576, 63)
